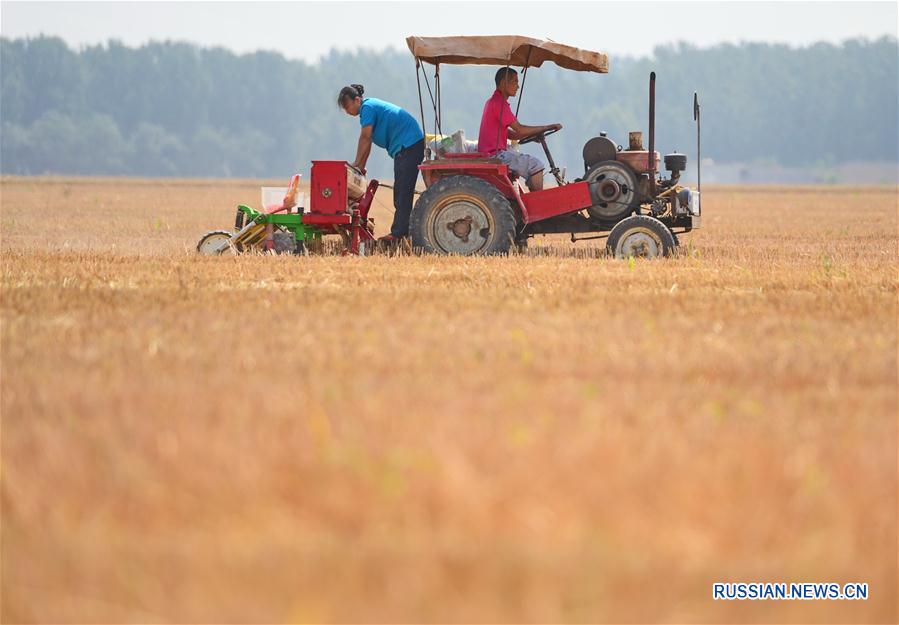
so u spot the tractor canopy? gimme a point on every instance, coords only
(510, 50)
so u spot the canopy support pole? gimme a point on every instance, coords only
(421, 104)
(499, 129)
(433, 103)
(437, 90)
(524, 79)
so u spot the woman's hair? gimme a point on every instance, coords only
(350, 93)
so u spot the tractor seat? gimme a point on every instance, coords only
(481, 155)
(513, 178)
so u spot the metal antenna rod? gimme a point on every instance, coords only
(698, 152)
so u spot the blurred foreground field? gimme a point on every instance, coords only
(550, 437)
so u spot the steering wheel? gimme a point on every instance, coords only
(539, 135)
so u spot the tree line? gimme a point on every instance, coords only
(176, 109)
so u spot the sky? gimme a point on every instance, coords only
(309, 30)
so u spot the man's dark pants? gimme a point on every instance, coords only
(405, 175)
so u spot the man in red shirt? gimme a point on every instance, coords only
(498, 125)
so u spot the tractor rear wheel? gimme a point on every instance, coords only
(462, 215)
(641, 236)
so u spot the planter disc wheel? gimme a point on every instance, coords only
(641, 236)
(215, 243)
(613, 189)
(462, 215)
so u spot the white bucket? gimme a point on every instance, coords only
(273, 198)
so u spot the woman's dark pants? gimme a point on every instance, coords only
(405, 175)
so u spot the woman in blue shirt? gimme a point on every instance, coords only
(394, 129)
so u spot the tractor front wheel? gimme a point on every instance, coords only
(216, 243)
(641, 236)
(462, 215)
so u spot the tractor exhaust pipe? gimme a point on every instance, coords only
(652, 134)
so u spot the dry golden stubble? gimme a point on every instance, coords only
(553, 436)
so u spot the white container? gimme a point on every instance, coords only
(356, 183)
(273, 198)
(459, 142)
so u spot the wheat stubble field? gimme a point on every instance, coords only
(550, 437)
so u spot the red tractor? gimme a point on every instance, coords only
(473, 205)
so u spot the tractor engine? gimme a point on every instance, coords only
(622, 180)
